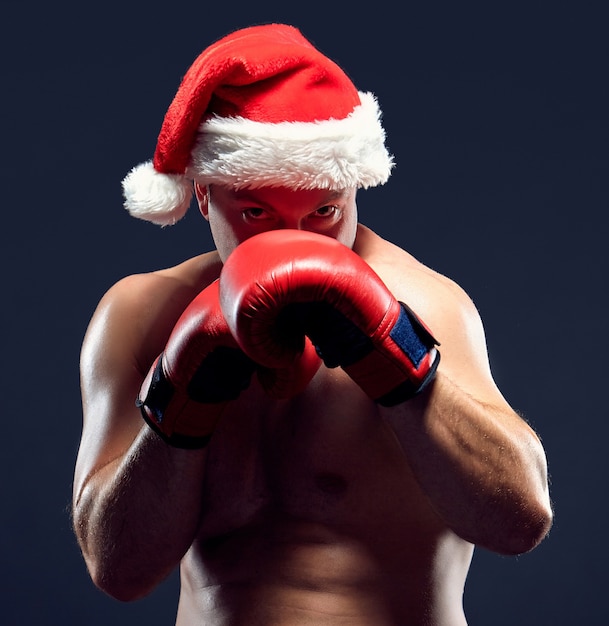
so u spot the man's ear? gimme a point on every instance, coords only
(202, 194)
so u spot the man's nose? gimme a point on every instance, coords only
(294, 222)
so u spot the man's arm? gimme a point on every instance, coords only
(138, 489)
(136, 501)
(482, 467)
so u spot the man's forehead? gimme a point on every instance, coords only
(328, 195)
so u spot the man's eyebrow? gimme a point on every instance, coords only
(250, 194)
(335, 194)
(245, 194)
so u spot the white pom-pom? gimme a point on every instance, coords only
(162, 199)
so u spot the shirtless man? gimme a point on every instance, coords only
(291, 490)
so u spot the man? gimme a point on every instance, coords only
(304, 419)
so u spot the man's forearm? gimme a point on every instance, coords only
(483, 469)
(136, 517)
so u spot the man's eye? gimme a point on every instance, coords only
(326, 211)
(255, 214)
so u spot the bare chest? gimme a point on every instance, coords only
(315, 497)
(325, 457)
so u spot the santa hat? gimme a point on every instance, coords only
(261, 107)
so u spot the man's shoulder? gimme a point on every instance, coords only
(194, 273)
(395, 265)
(375, 249)
(426, 290)
(147, 305)
(186, 278)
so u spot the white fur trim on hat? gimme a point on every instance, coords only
(159, 198)
(328, 154)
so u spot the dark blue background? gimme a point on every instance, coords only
(498, 121)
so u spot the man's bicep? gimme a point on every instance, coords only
(110, 381)
(463, 347)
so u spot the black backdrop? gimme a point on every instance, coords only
(498, 121)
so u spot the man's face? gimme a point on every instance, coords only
(235, 216)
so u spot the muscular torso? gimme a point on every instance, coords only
(311, 513)
(312, 516)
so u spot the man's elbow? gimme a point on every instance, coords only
(540, 525)
(118, 585)
(530, 529)
(110, 576)
(534, 515)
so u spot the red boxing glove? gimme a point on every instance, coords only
(280, 285)
(198, 372)
(201, 369)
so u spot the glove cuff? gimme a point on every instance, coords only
(172, 415)
(401, 364)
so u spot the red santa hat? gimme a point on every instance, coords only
(261, 107)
